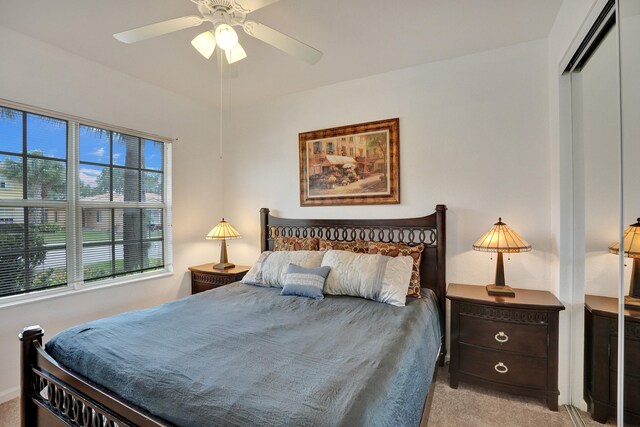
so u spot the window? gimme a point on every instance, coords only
(123, 172)
(330, 148)
(117, 191)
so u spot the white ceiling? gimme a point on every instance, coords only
(358, 38)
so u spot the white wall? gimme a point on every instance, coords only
(473, 135)
(41, 75)
(629, 36)
(596, 157)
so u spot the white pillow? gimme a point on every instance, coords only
(376, 277)
(271, 268)
(254, 275)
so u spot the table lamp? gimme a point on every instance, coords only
(501, 238)
(223, 231)
(631, 250)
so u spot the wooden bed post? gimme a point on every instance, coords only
(441, 255)
(28, 359)
(264, 231)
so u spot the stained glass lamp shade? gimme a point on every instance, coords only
(500, 238)
(631, 250)
(223, 231)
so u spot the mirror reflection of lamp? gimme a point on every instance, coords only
(631, 250)
(500, 238)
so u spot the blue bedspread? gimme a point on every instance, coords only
(242, 355)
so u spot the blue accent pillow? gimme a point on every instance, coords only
(305, 282)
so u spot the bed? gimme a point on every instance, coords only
(296, 362)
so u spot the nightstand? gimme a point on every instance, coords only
(601, 359)
(205, 277)
(506, 343)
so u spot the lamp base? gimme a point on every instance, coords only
(631, 303)
(223, 266)
(501, 290)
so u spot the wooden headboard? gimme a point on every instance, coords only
(429, 230)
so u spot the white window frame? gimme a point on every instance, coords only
(74, 206)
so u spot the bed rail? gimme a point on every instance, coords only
(54, 396)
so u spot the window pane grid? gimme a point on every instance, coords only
(121, 241)
(41, 158)
(120, 160)
(33, 254)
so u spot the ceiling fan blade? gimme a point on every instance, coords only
(246, 6)
(158, 29)
(282, 41)
(236, 54)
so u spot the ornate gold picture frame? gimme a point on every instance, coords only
(351, 165)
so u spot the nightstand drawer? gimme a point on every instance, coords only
(503, 367)
(508, 343)
(519, 338)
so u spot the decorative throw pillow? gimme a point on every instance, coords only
(254, 275)
(376, 277)
(295, 243)
(271, 269)
(399, 249)
(305, 282)
(359, 246)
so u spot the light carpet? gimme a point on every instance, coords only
(475, 406)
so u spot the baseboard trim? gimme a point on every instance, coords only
(574, 414)
(10, 394)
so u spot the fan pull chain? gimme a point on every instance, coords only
(221, 98)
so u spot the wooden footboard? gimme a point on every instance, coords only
(53, 396)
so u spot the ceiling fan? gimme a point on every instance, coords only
(224, 15)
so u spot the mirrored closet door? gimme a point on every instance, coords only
(629, 12)
(605, 114)
(596, 182)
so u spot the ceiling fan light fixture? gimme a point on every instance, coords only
(205, 43)
(235, 54)
(226, 37)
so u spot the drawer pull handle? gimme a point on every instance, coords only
(501, 368)
(501, 337)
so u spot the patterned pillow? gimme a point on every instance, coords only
(305, 282)
(375, 277)
(359, 246)
(399, 249)
(295, 243)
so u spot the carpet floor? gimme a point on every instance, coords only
(475, 406)
(10, 413)
(468, 406)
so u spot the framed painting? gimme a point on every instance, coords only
(351, 165)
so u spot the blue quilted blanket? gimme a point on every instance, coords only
(242, 355)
